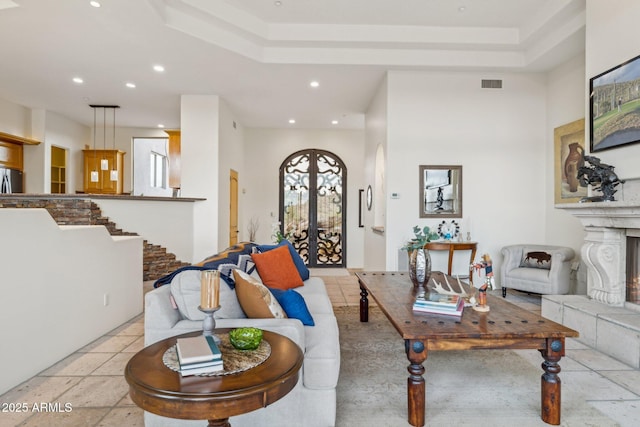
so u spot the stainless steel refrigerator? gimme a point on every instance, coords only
(10, 180)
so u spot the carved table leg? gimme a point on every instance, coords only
(219, 423)
(364, 304)
(417, 354)
(550, 382)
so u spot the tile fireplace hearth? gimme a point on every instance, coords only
(605, 317)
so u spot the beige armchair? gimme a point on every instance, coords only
(540, 269)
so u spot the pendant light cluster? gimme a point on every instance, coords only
(104, 161)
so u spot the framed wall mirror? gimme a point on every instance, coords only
(440, 191)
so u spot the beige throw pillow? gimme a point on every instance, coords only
(255, 298)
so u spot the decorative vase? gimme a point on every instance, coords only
(574, 161)
(419, 267)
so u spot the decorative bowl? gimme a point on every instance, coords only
(245, 338)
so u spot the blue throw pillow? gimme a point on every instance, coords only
(297, 259)
(294, 305)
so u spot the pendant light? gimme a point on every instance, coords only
(94, 172)
(104, 161)
(114, 169)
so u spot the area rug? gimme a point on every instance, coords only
(464, 388)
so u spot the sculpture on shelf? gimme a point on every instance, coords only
(601, 176)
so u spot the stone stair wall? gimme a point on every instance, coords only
(156, 263)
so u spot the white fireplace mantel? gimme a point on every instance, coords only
(607, 225)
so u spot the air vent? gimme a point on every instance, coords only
(491, 84)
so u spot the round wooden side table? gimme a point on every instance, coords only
(157, 389)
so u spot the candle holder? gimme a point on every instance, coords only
(209, 323)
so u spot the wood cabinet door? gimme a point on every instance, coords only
(11, 155)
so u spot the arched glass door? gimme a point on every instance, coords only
(313, 205)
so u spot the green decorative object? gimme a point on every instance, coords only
(245, 338)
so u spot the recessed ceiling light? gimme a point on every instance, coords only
(462, 9)
(158, 68)
(292, 121)
(334, 122)
(277, 3)
(314, 84)
(161, 126)
(94, 3)
(131, 85)
(78, 80)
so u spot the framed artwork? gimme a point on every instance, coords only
(440, 191)
(614, 107)
(568, 158)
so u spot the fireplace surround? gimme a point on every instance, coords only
(604, 251)
(605, 318)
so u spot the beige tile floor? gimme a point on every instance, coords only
(88, 387)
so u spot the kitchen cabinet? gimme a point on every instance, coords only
(11, 155)
(103, 182)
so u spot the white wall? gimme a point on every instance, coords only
(497, 135)
(200, 158)
(165, 223)
(54, 297)
(375, 249)
(141, 161)
(231, 157)
(124, 142)
(15, 119)
(565, 103)
(266, 149)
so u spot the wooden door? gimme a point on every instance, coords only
(233, 207)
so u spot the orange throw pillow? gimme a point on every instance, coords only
(276, 269)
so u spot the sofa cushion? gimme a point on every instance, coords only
(536, 258)
(276, 268)
(540, 275)
(255, 298)
(321, 367)
(297, 259)
(294, 305)
(185, 290)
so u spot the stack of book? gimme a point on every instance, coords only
(198, 355)
(431, 302)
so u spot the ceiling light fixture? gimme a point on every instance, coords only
(462, 9)
(277, 3)
(292, 121)
(334, 122)
(95, 3)
(78, 80)
(104, 162)
(314, 84)
(160, 125)
(131, 85)
(158, 68)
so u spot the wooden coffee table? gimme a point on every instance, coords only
(505, 326)
(158, 389)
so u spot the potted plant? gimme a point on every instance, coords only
(419, 258)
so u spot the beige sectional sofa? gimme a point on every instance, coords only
(171, 309)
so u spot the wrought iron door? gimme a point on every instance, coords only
(313, 206)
